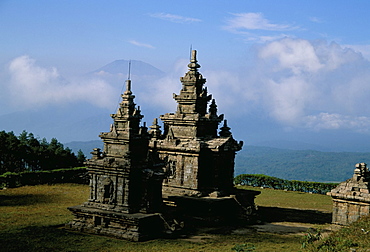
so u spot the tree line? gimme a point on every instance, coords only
(28, 153)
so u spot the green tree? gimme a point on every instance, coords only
(27, 153)
(10, 153)
(81, 158)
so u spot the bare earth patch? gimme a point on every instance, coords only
(289, 228)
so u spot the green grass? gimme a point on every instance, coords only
(355, 237)
(289, 199)
(32, 219)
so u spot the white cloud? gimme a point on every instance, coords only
(161, 90)
(34, 86)
(363, 49)
(175, 18)
(337, 121)
(298, 55)
(315, 19)
(254, 27)
(300, 84)
(315, 84)
(254, 21)
(136, 43)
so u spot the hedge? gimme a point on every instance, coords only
(69, 175)
(261, 180)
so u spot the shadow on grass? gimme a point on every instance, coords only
(277, 214)
(25, 199)
(48, 238)
(53, 238)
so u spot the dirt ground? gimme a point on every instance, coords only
(285, 221)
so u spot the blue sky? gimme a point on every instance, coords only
(89, 34)
(302, 65)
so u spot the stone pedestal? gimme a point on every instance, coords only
(348, 211)
(133, 227)
(351, 198)
(215, 210)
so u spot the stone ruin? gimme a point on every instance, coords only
(351, 198)
(146, 182)
(125, 181)
(199, 161)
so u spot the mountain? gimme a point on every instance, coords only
(138, 68)
(305, 165)
(85, 146)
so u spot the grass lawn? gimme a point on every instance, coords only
(32, 219)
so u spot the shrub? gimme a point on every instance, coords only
(69, 175)
(261, 180)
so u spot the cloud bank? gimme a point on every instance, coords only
(32, 86)
(296, 83)
(300, 84)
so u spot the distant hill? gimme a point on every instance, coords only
(86, 147)
(76, 122)
(306, 165)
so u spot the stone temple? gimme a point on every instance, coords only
(125, 181)
(351, 198)
(199, 160)
(144, 180)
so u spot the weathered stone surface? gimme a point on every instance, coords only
(199, 161)
(351, 198)
(124, 180)
(216, 209)
(133, 227)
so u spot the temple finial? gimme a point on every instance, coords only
(193, 65)
(194, 56)
(128, 81)
(155, 129)
(129, 70)
(213, 108)
(225, 130)
(128, 86)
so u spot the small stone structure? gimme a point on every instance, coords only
(351, 198)
(190, 164)
(125, 182)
